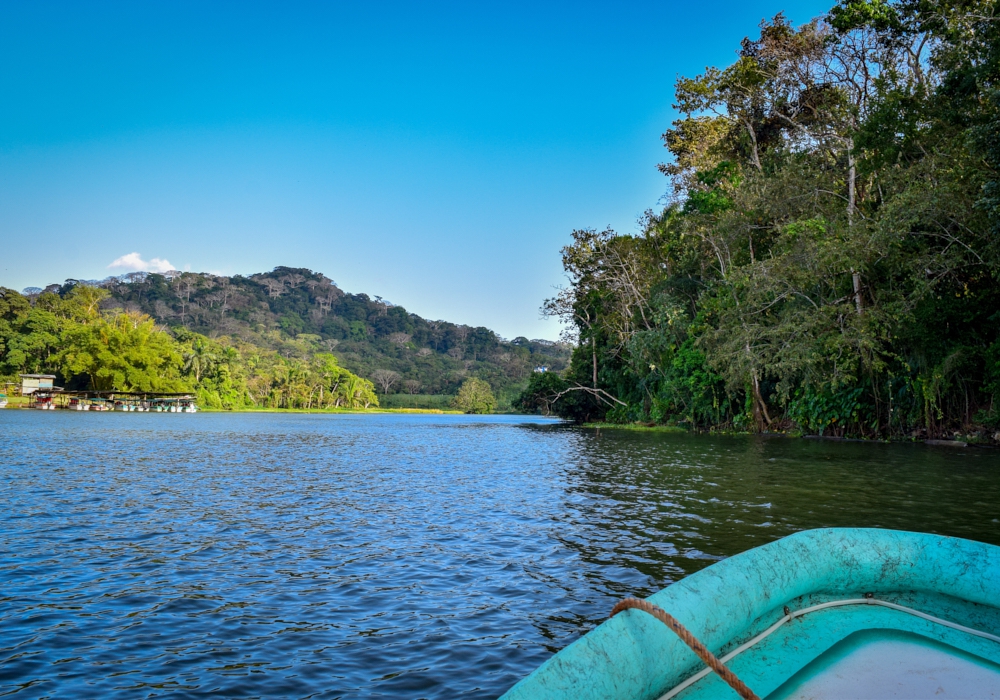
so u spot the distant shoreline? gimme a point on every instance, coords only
(638, 427)
(21, 402)
(332, 411)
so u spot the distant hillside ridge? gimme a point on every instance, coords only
(296, 311)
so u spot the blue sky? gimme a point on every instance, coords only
(435, 154)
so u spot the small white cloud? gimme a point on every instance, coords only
(133, 262)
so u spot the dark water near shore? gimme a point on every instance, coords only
(263, 555)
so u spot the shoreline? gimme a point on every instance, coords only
(638, 427)
(437, 411)
(23, 405)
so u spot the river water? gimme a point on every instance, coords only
(361, 556)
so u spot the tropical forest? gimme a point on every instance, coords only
(289, 338)
(827, 256)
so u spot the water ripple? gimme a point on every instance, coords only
(391, 556)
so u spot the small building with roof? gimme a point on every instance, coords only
(30, 383)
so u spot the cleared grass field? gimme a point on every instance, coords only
(439, 401)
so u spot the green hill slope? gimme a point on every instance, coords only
(297, 313)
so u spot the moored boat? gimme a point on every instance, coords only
(832, 613)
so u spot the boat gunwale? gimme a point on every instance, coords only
(634, 656)
(801, 612)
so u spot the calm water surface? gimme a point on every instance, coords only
(172, 555)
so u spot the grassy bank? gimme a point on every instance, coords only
(638, 427)
(441, 402)
(257, 409)
(958, 440)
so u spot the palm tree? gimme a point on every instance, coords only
(199, 360)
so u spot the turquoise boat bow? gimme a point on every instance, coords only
(830, 613)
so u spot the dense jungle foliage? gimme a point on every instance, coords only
(829, 255)
(287, 338)
(68, 334)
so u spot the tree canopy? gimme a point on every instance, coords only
(475, 397)
(829, 255)
(65, 332)
(280, 322)
(297, 312)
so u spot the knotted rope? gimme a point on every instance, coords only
(697, 647)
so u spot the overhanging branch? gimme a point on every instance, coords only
(600, 394)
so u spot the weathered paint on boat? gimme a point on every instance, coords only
(634, 656)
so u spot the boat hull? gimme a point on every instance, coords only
(861, 579)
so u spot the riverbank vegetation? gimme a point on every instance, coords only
(288, 338)
(70, 336)
(475, 397)
(297, 312)
(828, 257)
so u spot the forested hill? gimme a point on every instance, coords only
(297, 313)
(830, 258)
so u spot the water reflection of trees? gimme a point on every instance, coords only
(664, 508)
(641, 510)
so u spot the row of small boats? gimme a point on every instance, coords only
(151, 406)
(822, 614)
(144, 407)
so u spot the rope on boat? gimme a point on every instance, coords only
(791, 615)
(696, 646)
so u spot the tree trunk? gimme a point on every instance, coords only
(856, 278)
(593, 347)
(760, 407)
(852, 179)
(753, 142)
